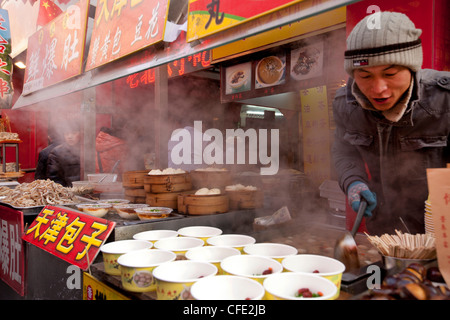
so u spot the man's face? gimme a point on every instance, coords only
(72, 138)
(383, 85)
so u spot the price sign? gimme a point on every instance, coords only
(72, 236)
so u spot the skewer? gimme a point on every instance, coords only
(406, 246)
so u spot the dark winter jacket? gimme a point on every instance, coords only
(397, 154)
(41, 166)
(64, 164)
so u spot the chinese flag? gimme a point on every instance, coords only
(48, 11)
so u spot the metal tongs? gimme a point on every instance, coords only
(112, 171)
(345, 249)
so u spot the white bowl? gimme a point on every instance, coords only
(238, 241)
(137, 268)
(174, 279)
(113, 250)
(285, 286)
(202, 232)
(251, 266)
(179, 245)
(212, 254)
(277, 251)
(155, 235)
(226, 287)
(318, 265)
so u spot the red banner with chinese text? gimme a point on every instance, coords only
(69, 235)
(207, 17)
(56, 51)
(12, 257)
(124, 27)
(6, 68)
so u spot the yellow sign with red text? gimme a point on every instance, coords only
(207, 17)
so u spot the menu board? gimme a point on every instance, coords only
(56, 51)
(124, 27)
(315, 125)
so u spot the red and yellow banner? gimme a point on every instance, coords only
(71, 236)
(207, 17)
(122, 27)
(55, 52)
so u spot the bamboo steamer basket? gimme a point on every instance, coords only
(135, 192)
(211, 179)
(167, 183)
(134, 179)
(246, 199)
(134, 199)
(203, 204)
(165, 199)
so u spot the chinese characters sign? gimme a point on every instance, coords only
(439, 189)
(315, 126)
(55, 52)
(6, 90)
(122, 27)
(72, 236)
(175, 68)
(207, 17)
(12, 269)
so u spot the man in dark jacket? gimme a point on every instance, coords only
(41, 166)
(392, 123)
(64, 160)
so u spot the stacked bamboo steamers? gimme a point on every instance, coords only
(202, 263)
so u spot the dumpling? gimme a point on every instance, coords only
(214, 191)
(202, 192)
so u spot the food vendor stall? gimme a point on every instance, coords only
(151, 63)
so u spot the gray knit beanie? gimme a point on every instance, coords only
(384, 38)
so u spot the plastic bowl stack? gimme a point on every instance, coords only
(429, 225)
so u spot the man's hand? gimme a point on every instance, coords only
(357, 190)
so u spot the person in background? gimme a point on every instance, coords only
(64, 160)
(110, 148)
(54, 139)
(392, 123)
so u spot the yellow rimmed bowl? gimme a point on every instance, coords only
(179, 245)
(277, 251)
(212, 254)
(238, 241)
(251, 266)
(227, 287)
(174, 279)
(318, 265)
(136, 268)
(113, 250)
(201, 232)
(155, 235)
(286, 285)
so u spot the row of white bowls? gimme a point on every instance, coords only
(200, 262)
